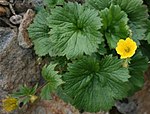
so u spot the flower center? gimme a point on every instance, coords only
(127, 49)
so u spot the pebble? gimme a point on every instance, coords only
(16, 19)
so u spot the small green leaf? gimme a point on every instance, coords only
(25, 91)
(114, 25)
(52, 79)
(45, 92)
(75, 30)
(26, 100)
(95, 85)
(33, 90)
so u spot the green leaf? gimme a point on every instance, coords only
(145, 48)
(114, 25)
(137, 67)
(38, 32)
(33, 90)
(102, 49)
(148, 37)
(75, 30)
(136, 20)
(148, 32)
(26, 100)
(25, 91)
(98, 4)
(95, 85)
(53, 3)
(53, 80)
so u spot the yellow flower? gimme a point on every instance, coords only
(126, 48)
(9, 104)
(33, 98)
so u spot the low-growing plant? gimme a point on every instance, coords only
(96, 50)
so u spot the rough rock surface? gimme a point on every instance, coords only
(143, 97)
(54, 106)
(17, 65)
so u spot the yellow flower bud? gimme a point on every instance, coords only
(33, 98)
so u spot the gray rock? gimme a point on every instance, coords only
(40, 110)
(17, 65)
(37, 3)
(126, 108)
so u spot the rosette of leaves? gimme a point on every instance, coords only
(114, 25)
(75, 30)
(53, 80)
(24, 93)
(95, 85)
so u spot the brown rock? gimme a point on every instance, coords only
(54, 106)
(2, 11)
(23, 36)
(143, 99)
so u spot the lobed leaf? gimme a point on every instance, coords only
(95, 85)
(38, 32)
(53, 80)
(75, 30)
(114, 25)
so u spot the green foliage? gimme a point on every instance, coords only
(82, 36)
(145, 48)
(95, 85)
(148, 31)
(98, 4)
(38, 32)
(25, 93)
(137, 67)
(137, 21)
(114, 25)
(74, 30)
(53, 80)
(53, 3)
